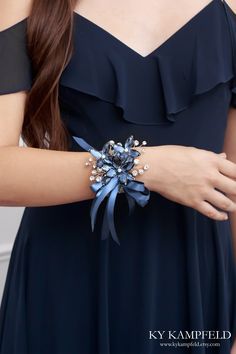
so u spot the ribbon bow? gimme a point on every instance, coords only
(113, 165)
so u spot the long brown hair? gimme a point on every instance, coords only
(49, 38)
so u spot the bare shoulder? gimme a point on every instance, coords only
(13, 11)
(232, 4)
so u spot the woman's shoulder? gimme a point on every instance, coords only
(232, 5)
(13, 11)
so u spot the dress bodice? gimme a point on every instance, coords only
(108, 90)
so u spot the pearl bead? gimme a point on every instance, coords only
(134, 173)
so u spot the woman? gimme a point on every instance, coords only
(73, 77)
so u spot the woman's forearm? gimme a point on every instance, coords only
(40, 177)
(230, 149)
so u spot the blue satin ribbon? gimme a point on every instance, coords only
(135, 191)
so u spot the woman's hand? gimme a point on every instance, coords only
(193, 177)
(233, 350)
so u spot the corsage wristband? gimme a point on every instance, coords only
(113, 172)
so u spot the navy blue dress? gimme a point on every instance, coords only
(69, 292)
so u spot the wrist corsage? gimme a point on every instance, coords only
(114, 169)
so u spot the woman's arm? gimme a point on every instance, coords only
(230, 150)
(34, 177)
(37, 177)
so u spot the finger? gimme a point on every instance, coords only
(227, 167)
(219, 200)
(222, 154)
(225, 184)
(208, 210)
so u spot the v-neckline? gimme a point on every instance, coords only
(159, 47)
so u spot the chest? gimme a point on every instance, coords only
(141, 26)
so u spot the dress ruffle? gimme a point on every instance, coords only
(203, 62)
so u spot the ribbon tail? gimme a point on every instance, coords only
(82, 143)
(110, 213)
(98, 200)
(138, 192)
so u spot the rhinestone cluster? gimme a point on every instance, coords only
(119, 160)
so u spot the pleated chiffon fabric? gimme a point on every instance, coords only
(69, 292)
